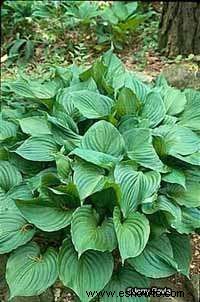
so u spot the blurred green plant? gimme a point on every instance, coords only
(118, 21)
(49, 23)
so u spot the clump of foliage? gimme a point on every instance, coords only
(99, 179)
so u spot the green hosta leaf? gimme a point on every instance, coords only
(131, 7)
(132, 233)
(34, 125)
(89, 233)
(64, 131)
(3, 153)
(108, 14)
(24, 165)
(40, 148)
(193, 159)
(135, 186)
(169, 120)
(83, 277)
(7, 130)
(12, 114)
(63, 166)
(175, 176)
(43, 91)
(98, 158)
(161, 81)
(21, 191)
(126, 278)
(193, 174)
(127, 102)
(176, 140)
(14, 229)
(190, 220)
(105, 140)
(131, 24)
(179, 244)
(120, 10)
(47, 177)
(140, 149)
(153, 108)
(33, 272)
(156, 261)
(189, 197)
(191, 116)
(9, 175)
(107, 198)
(88, 178)
(64, 120)
(21, 88)
(174, 100)
(92, 104)
(128, 80)
(64, 101)
(44, 214)
(114, 66)
(130, 122)
(103, 137)
(171, 210)
(34, 89)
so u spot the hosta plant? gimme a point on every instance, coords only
(99, 180)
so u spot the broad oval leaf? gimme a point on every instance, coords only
(127, 102)
(34, 124)
(103, 137)
(88, 178)
(132, 233)
(123, 280)
(21, 88)
(33, 272)
(129, 80)
(97, 158)
(135, 186)
(7, 130)
(44, 214)
(161, 203)
(140, 149)
(193, 159)
(176, 140)
(40, 148)
(179, 244)
(14, 229)
(156, 261)
(9, 175)
(102, 145)
(174, 100)
(153, 108)
(189, 197)
(64, 131)
(63, 166)
(83, 276)
(175, 176)
(92, 104)
(88, 233)
(190, 220)
(21, 191)
(190, 117)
